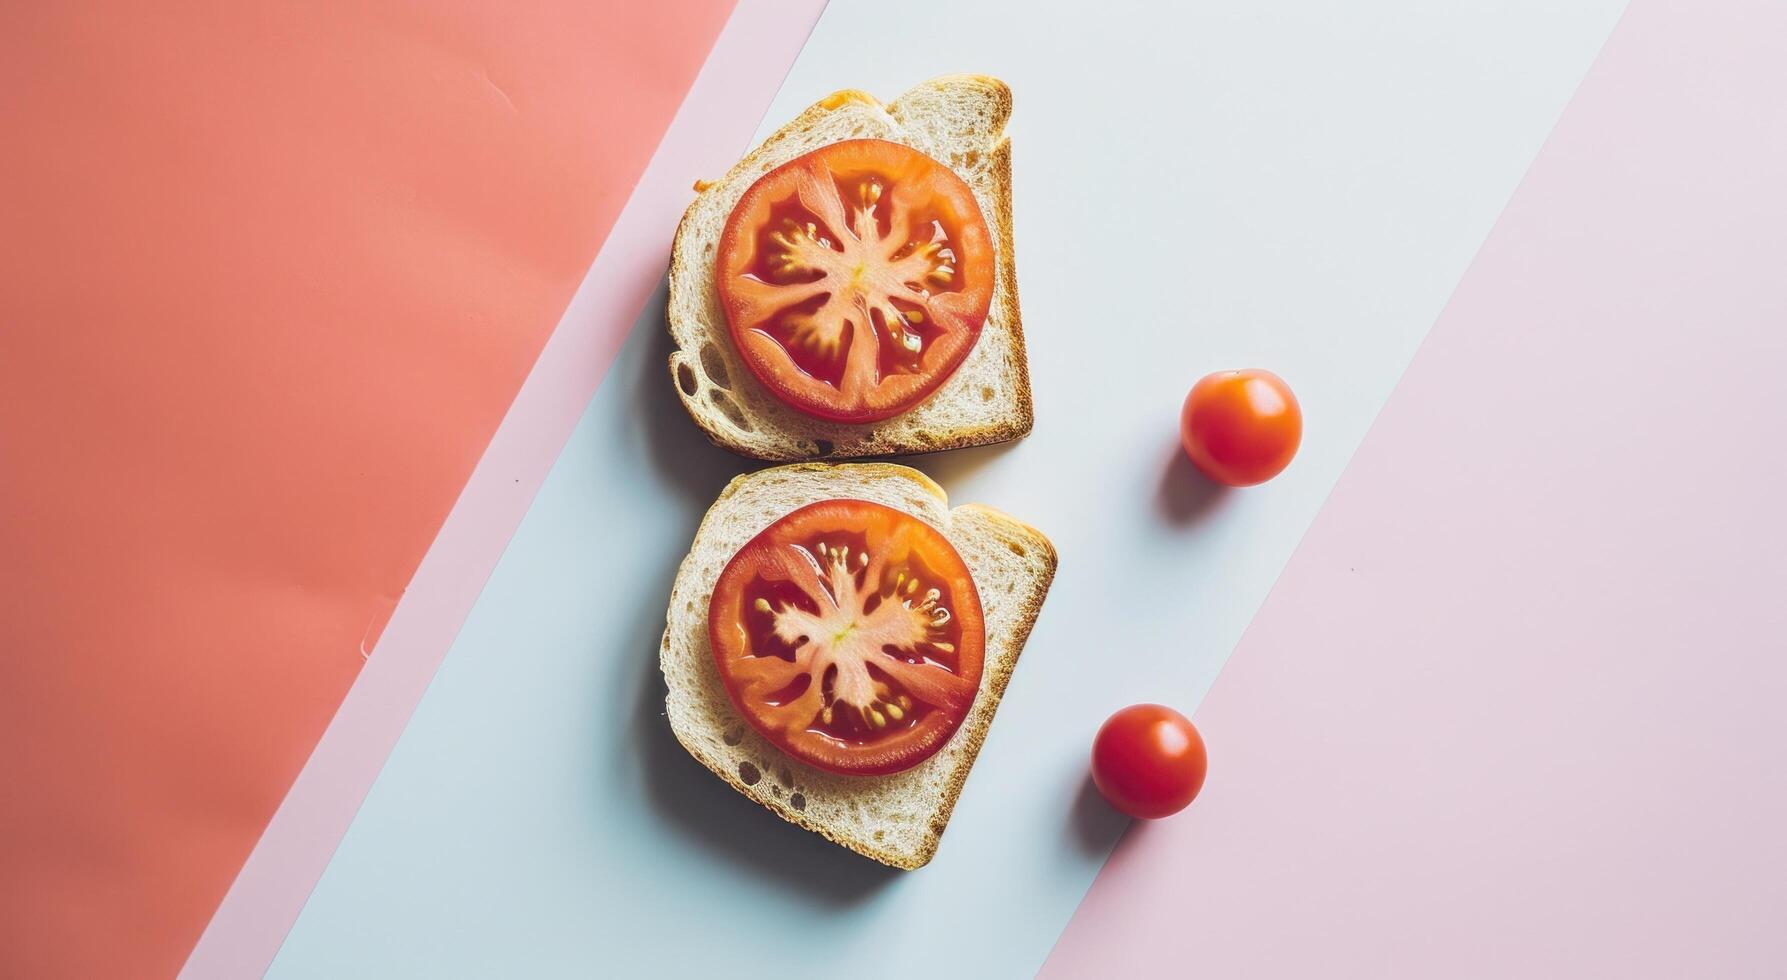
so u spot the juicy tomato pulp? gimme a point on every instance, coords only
(855, 279)
(850, 635)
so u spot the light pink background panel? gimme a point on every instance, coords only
(1516, 706)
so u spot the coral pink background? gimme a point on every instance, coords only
(271, 276)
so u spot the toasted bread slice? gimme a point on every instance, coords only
(896, 819)
(958, 120)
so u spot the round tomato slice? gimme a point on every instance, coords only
(850, 635)
(855, 279)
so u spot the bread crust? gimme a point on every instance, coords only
(994, 680)
(869, 439)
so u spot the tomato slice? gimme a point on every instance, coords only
(855, 279)
(850, 635)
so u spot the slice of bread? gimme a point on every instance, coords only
(958, 120)
(896, 819)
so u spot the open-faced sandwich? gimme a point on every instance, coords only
(838, 641)
(848, 289)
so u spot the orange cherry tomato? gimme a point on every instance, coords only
(1241, 427)
(1148, 761)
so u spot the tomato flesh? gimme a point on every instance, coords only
(1241, 428)
(850, 635)
(1148, 761)
(855, 279)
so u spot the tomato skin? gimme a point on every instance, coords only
(1148, 761)
(1241, 428)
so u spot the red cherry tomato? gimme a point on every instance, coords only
(1241, 427)
(1148, 761)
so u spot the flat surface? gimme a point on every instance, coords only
(1514, 708)
(270, 275)
(1300, 189)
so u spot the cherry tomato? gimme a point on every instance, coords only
(855, 279)
(1148, 761)
(850, 635)
(1241, 427)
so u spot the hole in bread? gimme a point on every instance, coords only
(1016, 549)
(715, 366)
(729, 408)
(824, 446)
(880, 835)
(685, 379)
(784, 777)
(798, 801)
(733, 736)
(986, 394)
(748, 774)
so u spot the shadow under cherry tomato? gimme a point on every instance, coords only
(1096, 825)
(1186, 496)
